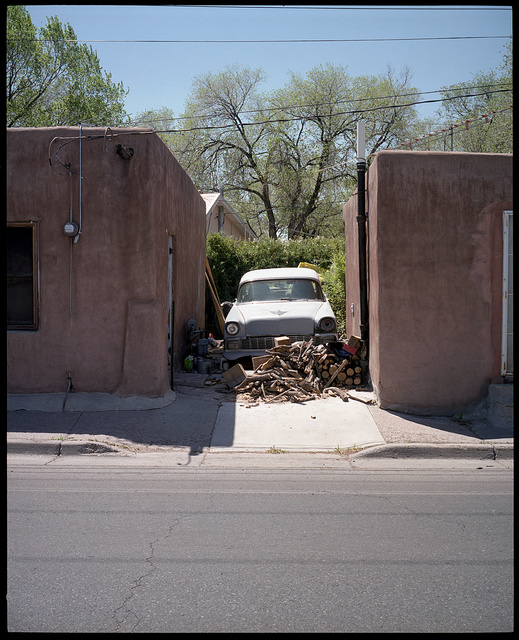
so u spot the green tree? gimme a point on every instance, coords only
(316, 155)
(52, 80)
(227, 139)
(287, 159)
(485, 105)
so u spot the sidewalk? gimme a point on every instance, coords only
(201, 416)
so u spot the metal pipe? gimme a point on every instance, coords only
(361, 224)
(69, 389)
(80, 180)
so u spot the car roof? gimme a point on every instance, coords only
(280, 274)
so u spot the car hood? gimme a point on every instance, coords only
(279, 318)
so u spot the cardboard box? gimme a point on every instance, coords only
(282, 340)
(234, 375)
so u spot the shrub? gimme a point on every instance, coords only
(334, 288)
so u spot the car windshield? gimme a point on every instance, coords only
(272, 290)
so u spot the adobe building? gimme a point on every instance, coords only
(439, 297)
(106, 261)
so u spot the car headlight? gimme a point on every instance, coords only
(232, 328)
(326, 325)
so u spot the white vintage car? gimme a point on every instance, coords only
(273, 303)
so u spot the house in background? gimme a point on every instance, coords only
(106, 261)
(439, 263)
(221, 218)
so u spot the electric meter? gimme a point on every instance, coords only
(71, 229)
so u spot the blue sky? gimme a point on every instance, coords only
(160, 74)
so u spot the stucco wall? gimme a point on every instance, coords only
(435, 276)
(103, 311)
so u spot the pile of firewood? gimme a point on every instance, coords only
(301, 371)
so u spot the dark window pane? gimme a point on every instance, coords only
(20, 277)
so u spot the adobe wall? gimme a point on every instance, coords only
(435, 276)
(103, 301)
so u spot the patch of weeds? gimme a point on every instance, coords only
(273, 449)
(110, 444)
(459, 419)
(347, 451)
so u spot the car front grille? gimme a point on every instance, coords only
(267, 342)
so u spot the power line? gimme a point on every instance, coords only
(341, 8)
(294, 41)
(349, 112)
(444, 132)
(458, 127)
(357, 100)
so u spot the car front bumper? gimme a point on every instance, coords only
(235, 348)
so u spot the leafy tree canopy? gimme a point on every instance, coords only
(52, 80)
(287, 159)
(485, 104)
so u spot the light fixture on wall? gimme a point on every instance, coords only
(126, 153)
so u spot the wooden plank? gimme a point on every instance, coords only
(214, 295)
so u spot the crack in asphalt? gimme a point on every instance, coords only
(123, 614)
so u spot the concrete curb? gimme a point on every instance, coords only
(57, 448)
(478, 451)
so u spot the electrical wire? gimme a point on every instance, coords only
(341, 8)
(458, 127)
(444, 132)
(282, 41)
(320, 104)
(151, 131)
(69, 139)
(343, 113)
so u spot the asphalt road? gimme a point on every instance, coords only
(235, 550)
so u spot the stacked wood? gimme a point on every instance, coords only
(302, 371)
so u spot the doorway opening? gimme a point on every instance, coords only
(171, 308)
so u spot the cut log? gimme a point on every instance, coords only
(343, 364)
